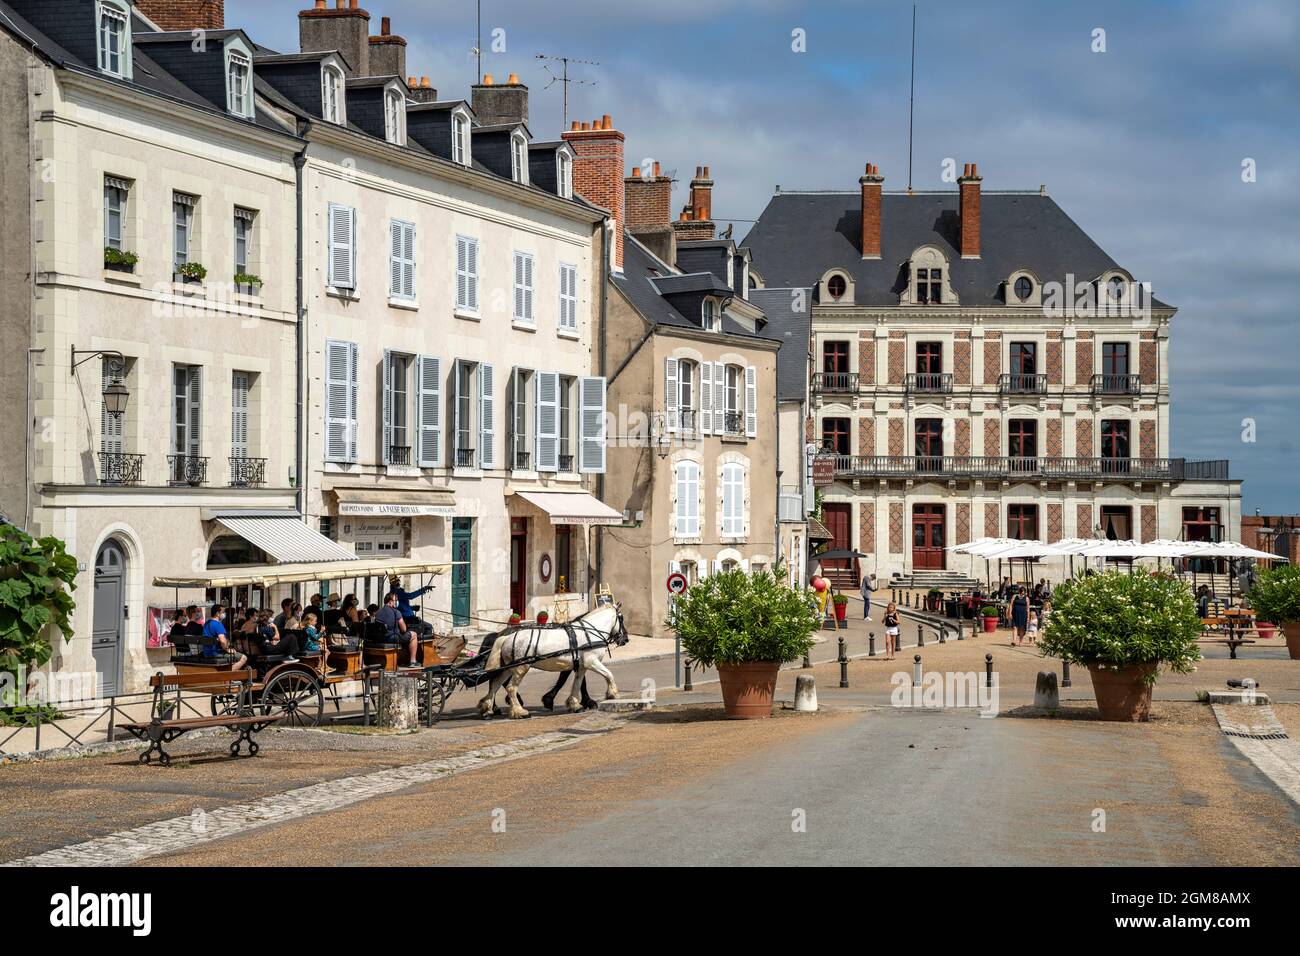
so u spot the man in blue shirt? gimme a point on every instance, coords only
(218, 641)
(413, 621)
(395, 628)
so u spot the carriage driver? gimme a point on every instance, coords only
(395, 625)
(404, 597)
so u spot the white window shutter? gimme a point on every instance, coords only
(670, 393)
(455, 410)
(336, 401)
(467, 273)
(720, 398)
(239, 415)
(471, 261)
(428, 410)
(408, 261)
(386, 413)
(528, 288)
(591, 447)
(751, 401)
(395, 259)
(706, 400)
(352, 402)
(196, 411)
(342, 247)
(487, 405)
(111, 425)
(568, 296)
(519, 287)
(548, 421)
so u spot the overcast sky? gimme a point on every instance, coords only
(1142, 144)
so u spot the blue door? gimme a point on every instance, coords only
(462, 535)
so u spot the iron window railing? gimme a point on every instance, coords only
(733, 423)
(1116, 384)
(1019, 383)
(187, 469)
(399, 454)
(521, 460)
(119, 468)
(931, 383)
(835, 382)
(566, 463)
(981, 466)
(245, 472)
(464, 457)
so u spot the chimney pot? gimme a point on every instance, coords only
(656, 170)
(575, 125)
(513, 80)
(353, 4)
(424, 81)
(487, 79)
(606, 122)
(968, 204)
(636, 172)
(341, 4)
(385, 26)
(320, 4)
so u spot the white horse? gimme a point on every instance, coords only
(548, 649)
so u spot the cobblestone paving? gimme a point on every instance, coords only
(1261, 738)
(184, 833)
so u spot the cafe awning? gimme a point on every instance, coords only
(282, 535)
(298, 572)
(576, 507)
(817, 531)
(400, 502)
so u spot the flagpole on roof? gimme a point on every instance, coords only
(911, 99)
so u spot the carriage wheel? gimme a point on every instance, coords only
(224, 705)
(439, 691)
(298, 696)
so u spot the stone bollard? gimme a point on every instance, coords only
(1065, 673)
(1045, 693)
(805, 694)
(399, 701)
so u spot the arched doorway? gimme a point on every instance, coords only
(109, 625)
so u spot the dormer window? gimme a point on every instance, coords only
(564, 174)
(1024, 288)
(395, 117)
(331, 95)
(239, 83)
(460, 138)
(836, 286)
(1115, 288)
(114, 38)
(929, 286)
(519, 159)
(711, 317)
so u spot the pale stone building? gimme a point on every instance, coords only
(980, 367)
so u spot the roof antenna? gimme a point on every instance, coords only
(563, 77)
(478, 43)
(911, 99)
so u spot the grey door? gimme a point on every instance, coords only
(110, 611)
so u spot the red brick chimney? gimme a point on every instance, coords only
(872, 184)
(185, 14)
(696, 221)
(598, 171)
(387, 51)
(968, 187)
(649, 196)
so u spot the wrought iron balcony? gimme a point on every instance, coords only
(1002, 467)
(464, 457)
(566, 462)
(399, 454)
(521, 460)
(835, 382)
(1116, 384)
(247, 472)
(118, 468)
(187, 469)
(733, 424)
(929, 383)
(1022, 383)
(683, 419)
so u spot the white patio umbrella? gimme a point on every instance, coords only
(980, 548)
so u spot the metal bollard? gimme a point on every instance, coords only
(907, 598)
(1065, 673)
(871, 644)
(943, 634)
(686, 675)
(844, 665)
(920, 636)
(916, 670)
(961, 631)
(988, 670)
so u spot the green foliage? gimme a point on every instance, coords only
(247, 278)
(36, 578)
(29, 716)
(840, 599)
(120, 257)
(734, 617)
(1116, 619)
(1276, 594)
(988, 610)
(192, 270)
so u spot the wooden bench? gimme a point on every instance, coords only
(162, 728)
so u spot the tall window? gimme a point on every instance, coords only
(567, 385)
(521, 405)
(466, 274)
(686, 371)
(1114, 358)
(1022, 522)
(112, 433)
(564, 174)
(733, 500)
(240, 386)
(114, 56)
(568, 316)
(929, 358)
(563, 559)
(929, 443)
(394, 117)
(1114, 438)
(464, 410)
(243, 239)
(398, 404)
(687, 515)
(835, 365)
(183, 222)
(711, 318)
(331, 81)
(734, 385)
(115, 196)
(239, 94)
(1022, 443)
(523, 287)
(519, 159)
(835, 436)
(186, 419)
(929, 286)
(1024, 358)
(460, 139)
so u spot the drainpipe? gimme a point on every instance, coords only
(600, 478)
(300, 336)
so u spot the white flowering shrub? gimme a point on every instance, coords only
(734, 617)
(1117, 619)
(1275, 594)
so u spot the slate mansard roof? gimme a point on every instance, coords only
(802, 235)
(789, 319)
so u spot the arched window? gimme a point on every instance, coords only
(563, 174)
(686, 477)
(460, 138)
(113, 37)
(519, 158)
(711, 318)
(331, 94)
(395, 117)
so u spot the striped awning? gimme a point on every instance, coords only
(572, 507)
(283, 537)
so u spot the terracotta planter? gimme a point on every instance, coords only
(1291, 631)
(1122, 694)
(748, 689)
(990, 625)
(841, 612)
(1266, 631)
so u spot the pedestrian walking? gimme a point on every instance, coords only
(891, 631)
(868, 589)
(1020, 614)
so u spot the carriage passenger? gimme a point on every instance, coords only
(395, 629)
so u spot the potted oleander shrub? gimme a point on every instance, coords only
(745, 625)
(1124, 628)
(119, 260)
(192, 272)
(1275, 596)
(989, 615)
(841, 603)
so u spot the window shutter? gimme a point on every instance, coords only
(519, 287)
(591, 448)
(395, 259)
(720, 398)
(693, 500)
(471, 267)
(706, 400)
(342, 247)
(352, 402)
(568, 297)
(455, 410)
(548, 421)
(462, 273)
(110, 429)
(386, 413)
(670, 392)
(239, 415)
(487, 454)
(751, 401)
(195, 405)
(336, 401)
(428, 410)
(528, 288)
(408, 265)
